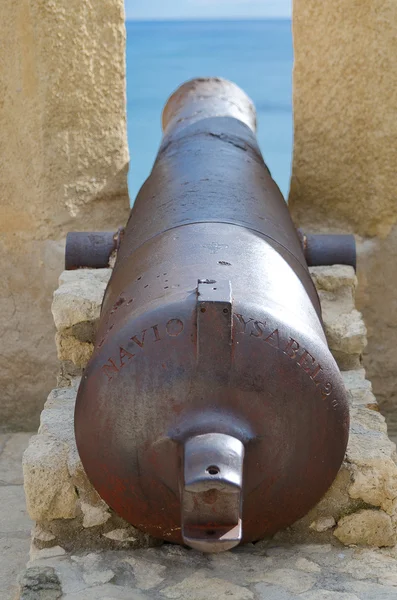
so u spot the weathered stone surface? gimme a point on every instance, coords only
(303, 564)
(50, 493)
(201, 587)
(377, 298)
(366, 528)
(76, 309)
(41, 535)
(94, 515)
(290, 579)
(343, 324)
(44, 553)
(11, 450)
(147, 574)
(71, 349)
(343, 173)
(331, 573)
(40, 583)
(121, 535)
(319, 594)
(323, 524)
(15, 525)
(346, 334)
(64, 156)
(94, 572)
(344, 108)
(359, 389)
(340, 280)
(78, 299)
(92, 275)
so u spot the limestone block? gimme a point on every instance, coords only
(366, 528)
(77, 301)
(372, 457)
(359, 389)
(76, 308)
(93, 275)
(64, 153)
(49, 490)
(71, 349)
(344, 327)
(346, 337)
(336, 279)
(336, 287)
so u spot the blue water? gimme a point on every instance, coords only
(257, 55)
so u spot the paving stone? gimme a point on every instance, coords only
(292, 580)
(372, 591)
(40, 583)
(37, 554)
(3, 440)
(177, 573)
(319, 594)
(147, 574)
(15, 525)
(49, 488)
(11, 453)
(13, 516)
(106, 592)
(14, 554)
(309, 566)
(201, 586)
(266, 591)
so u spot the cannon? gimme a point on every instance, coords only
(212, 411)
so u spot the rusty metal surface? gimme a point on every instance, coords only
(91, 249)
(211, 326)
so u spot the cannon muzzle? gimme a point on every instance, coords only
(212, 411)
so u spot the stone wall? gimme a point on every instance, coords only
(345, 99)
(64, 162)
(360, 507)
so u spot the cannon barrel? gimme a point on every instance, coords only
(212, 411)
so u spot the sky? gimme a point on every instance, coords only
(207, 9)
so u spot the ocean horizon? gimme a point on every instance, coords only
(256, 54)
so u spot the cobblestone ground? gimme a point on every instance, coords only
(15, 525)
(266, 571)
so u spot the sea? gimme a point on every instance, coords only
(257, 55)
